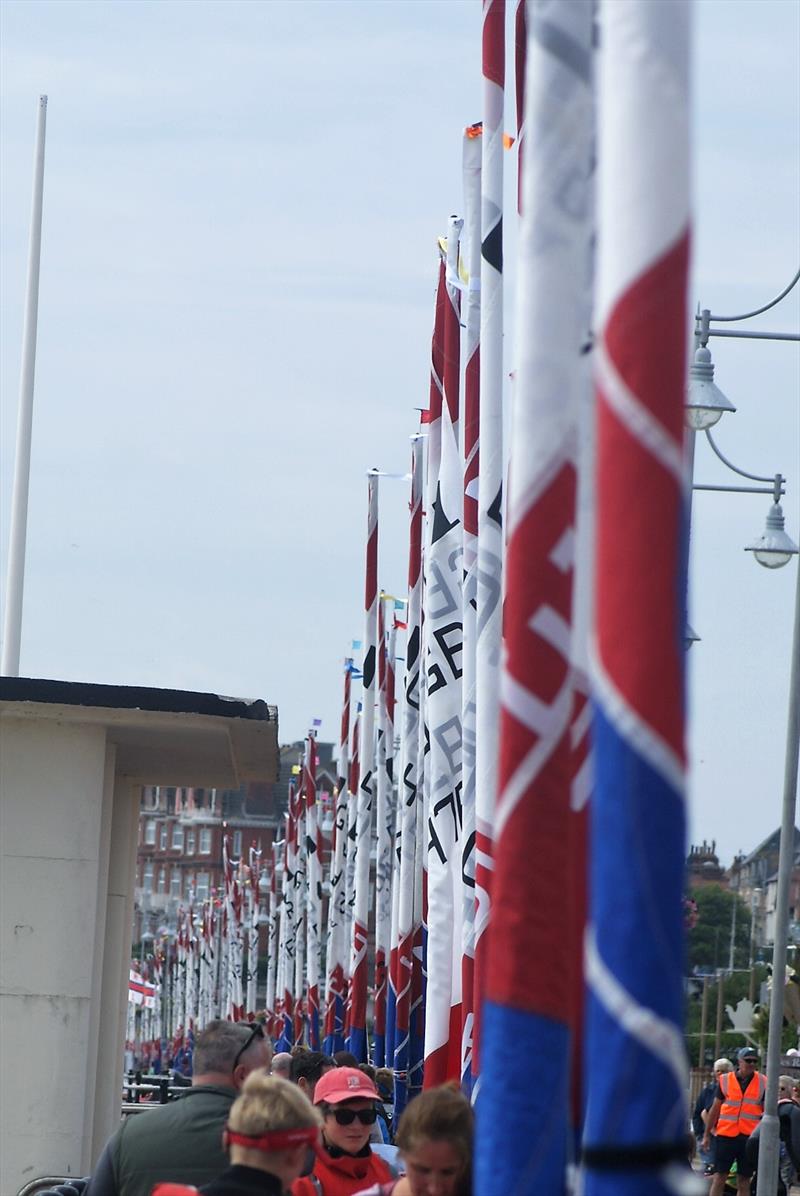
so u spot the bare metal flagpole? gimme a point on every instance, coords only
(9, 665)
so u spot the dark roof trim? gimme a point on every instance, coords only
(132, 697)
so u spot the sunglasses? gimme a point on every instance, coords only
(256, 1031)
(348, 1116)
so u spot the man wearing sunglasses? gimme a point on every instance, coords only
(181, 1141)
(345, 1163)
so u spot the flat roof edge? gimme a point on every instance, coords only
(134, 697)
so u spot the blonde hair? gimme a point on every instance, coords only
(267, 1103)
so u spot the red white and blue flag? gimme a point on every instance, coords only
(530, 980)
(635, 940)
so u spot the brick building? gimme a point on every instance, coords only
(181, 833)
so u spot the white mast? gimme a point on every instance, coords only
(9, 666)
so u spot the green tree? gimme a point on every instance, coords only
(710, 940)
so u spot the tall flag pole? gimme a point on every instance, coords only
(300, 910)
(410, 795)
(529, 980)
(337, 914)
(252, 931)
(383, 859)
(357, 1042)
(443, 612)
(350, 869)
(391, 826)
(490, 531)
(314, 910)
(635, 941)
(472, 239)
(273, 940)
(288, 932)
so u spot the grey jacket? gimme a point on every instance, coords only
(180, 1142)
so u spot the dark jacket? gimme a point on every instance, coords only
(703, 1103)
(180, 1142)
(243, 1181)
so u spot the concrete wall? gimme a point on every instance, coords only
(58, 805)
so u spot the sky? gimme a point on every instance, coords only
(239, 256)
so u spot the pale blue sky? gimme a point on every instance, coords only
(241, 206)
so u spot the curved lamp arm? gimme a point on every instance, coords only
(777, 479)
(748, 314)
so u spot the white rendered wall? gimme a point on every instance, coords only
(54, 837)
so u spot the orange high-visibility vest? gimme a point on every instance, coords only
(741, 1111)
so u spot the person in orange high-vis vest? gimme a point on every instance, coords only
(737, 1109)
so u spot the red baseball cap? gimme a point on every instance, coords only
(344, 1083)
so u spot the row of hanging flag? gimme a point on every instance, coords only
(209, 971)
(505, 891)
(503, 904)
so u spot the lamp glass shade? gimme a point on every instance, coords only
(705, 402)
(774, 548)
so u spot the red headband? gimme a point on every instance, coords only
(276, 1139)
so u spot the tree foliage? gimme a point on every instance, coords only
(710, 940)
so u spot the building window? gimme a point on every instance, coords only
(201, 889)
(191, 842)
(175, 883)
(237, 844)
(162, 880)
(205, 840)
(147, 876)
(177, 837)
(162, 841)
(150, 832)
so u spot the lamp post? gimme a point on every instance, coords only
(705, 406)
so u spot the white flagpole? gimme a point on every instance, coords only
(15, 577)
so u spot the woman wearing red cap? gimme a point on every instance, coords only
(345, 1163)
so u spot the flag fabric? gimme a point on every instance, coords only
(443, 614)
(357, 1039)
(300, 880)
(337, 903)
(350, 867)
(529, 982)
(384, 810)
(490, 493)
(471, 169)
(635, 941)
(410, 797)
(273, 940)
(389, 815)
(314, 892)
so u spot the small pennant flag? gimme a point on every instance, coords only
(295, 770)
(316, 722)
(356, 644)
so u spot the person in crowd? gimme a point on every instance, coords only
(702, 1106)
(182, 1140)
(435, 1137)
(271, 1129)
(282, 1065)
(345, 1059)
(737, 1108)
(345, 1163)
(308, 1068)
(789, 1131)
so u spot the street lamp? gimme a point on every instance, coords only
(705, 402)
(772, 549)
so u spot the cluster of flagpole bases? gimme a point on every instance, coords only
(505, 891)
